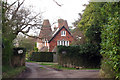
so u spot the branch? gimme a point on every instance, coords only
(10, 5)
(58, 3)
(19, 5)
(33, 36)
(30, 21)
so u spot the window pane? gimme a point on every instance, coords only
(63, 33)
(64, 43)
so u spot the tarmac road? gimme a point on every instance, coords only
(35, 70)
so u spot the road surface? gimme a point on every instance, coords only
(35, 70)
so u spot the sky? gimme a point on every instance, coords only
(50, 10)
(68, 11)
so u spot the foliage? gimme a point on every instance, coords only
(100, 23)
(111, 41)
(93, 34)
(14, 20)
(42, 56)
(27, 43)
(11, 72)
(85, 55)
(35, 48)
(7, 52)
(91, 22)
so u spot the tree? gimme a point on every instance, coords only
(25, 42)
(91, 22)
(77, 21)
(16, 19)
(100, 23)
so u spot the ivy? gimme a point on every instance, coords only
(111, 40)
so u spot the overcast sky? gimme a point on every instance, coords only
(68, 11)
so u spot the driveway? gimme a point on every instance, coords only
(35, 70)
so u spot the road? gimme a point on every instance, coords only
(35, 70)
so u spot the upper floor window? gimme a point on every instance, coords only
(63, 33)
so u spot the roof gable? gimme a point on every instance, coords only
(58, 32)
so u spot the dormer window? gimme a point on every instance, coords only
(63, 33)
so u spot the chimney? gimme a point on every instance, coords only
(66, 24)
(46, 23)
(60, 23)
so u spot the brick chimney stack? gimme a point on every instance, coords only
(66, 24)
(62, 22)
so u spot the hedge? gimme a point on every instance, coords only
(42, 56)
(86, 55)
(110, 45)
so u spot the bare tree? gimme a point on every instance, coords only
(20, 19)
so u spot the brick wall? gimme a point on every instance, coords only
(53, 43)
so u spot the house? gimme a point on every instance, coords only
(50, 40)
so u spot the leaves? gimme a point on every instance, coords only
(111, 38)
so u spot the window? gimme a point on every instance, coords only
(63, 33)
(58, 43)
(64, 43)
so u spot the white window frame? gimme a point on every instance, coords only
(63, 33)
(63, 43)
(67, 43)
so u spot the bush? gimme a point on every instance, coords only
(7, 52)
(86, 55)
(42, 56)
(110, 44)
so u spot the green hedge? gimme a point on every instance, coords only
(42, 56)
(86, 55)
(110, 45)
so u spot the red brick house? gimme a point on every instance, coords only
(61, 36)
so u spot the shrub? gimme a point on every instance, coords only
(42, 56)
(7, 52)
(85, 55)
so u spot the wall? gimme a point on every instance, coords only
(53, 43)
(18, 59)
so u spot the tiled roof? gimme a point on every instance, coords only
(59, 31)
(44, 49)
(46, 31)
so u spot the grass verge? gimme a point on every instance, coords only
(13, 72)
(56, 66)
